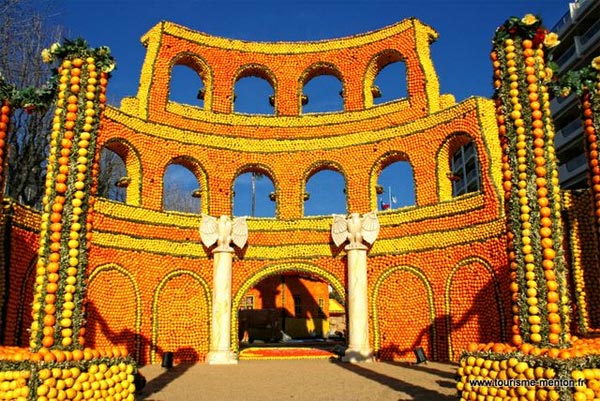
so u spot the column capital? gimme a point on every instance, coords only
(356, 247)
(223, 249)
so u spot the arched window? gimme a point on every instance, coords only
(385, 78)
(325, 194)
(390, 83)
(187, 86)
(322, 90)
(323, 94)
(465, 172)
(181, 190)
(113, 179)
(395, 186)
(253, 95)
(254, 195)
(254, 90)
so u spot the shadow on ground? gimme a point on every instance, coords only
(424, 367)
(161, 381)
(417, 393)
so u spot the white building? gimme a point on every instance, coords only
(579, 33)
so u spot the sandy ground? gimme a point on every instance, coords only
(300, 380)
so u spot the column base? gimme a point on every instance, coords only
(358, 355)
(221, 358)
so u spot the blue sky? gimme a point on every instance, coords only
(460, 55)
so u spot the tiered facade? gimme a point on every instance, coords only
(436, 273)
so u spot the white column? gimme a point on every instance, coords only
(220, 339)
(359, 349)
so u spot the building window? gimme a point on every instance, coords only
(321, 312)
(465, 170)
(297, 305)
(249, 302)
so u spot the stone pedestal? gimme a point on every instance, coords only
(359, 349)
(220, 339)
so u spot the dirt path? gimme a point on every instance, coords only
(301, 380)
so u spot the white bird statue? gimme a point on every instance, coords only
(223, 231)
(355, 229)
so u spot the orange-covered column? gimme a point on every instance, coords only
(288, 100)
(66, 229)
(590, 106)
(585, 281)
(5, 113)
(530, 179)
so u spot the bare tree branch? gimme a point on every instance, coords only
(24, 33)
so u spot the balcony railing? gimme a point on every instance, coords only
(562, 22)
(565, 133)
(572, 168)
(567, 57)
(560, 104)
(576, 163)
(590, 36)
(582, 6)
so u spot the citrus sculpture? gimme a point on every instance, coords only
(133, 279)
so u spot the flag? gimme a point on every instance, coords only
(385, 206)
(394, 200)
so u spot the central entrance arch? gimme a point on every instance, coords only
(300, 268)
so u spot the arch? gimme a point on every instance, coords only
(320, 68)
(480, 296)
(133, 164)
(259, 170)
(421, 277)
(378, 62)
(112, 181)
(256, 71)
(201, 67)
(204, 319)
(136, 294)
(447, 149)
(381, 164)
(278, 268)
(195, 167)
(318, 167)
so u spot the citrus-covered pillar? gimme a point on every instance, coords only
(540, 303)
(5, 113)
(66, 228)
(586, 83)
(590, 107)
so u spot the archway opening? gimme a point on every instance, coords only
(181, 190)
(291, 313)
(325, 193)
(254, 95)
(390, 83)
(187, 86)
(254, 195)
(113, 180)
(395, 186)
(323, 94)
